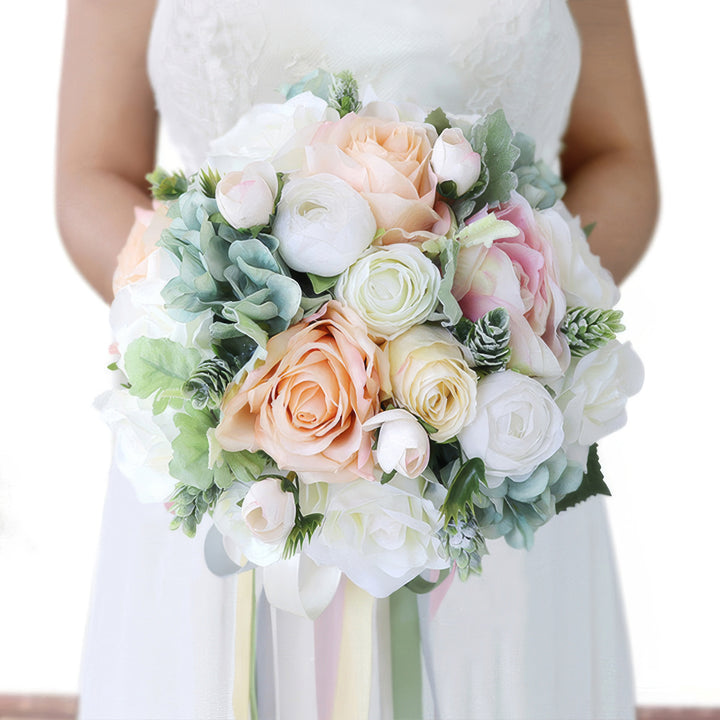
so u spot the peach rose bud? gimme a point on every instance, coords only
(454, 159)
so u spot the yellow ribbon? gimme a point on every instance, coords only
(244, 673)
(352, 692)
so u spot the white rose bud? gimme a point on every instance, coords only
(454, 159)
(246, 198)
(323, 225)
(517, 427)
(402, 444)
(257, 530)
(392, 289)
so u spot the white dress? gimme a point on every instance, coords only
(540, 635)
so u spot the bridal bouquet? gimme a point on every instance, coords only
(365, 338)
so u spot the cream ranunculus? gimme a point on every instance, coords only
(402, 443)
(430, 377)
(246, 198)
(257, 530)
(392, 289)
(593, 395)
(380, 536)
(517, 427)
(454, 159)
(323, 225)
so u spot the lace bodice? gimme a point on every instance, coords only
(209, 60)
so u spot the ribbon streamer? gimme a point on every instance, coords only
(352, 692)
(244, 697)
(405, 653)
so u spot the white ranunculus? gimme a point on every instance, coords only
(391, 288)
(454, 159)
(594, 393)
(323, 225)
(138, 310)
(402, 444)
(380, 536)
(267, 132)
(583, 279)
(517, 426)
(246, 198)
(142, 443)
(257, 530)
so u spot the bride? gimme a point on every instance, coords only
(540, 635)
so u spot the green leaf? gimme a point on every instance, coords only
(209, 179)
(304, 528)
(438, 119)
(166, 186)
(387, 477)
(321, 284)
(593, 483)
(589, 228)
(467, 480)
(246, 466)
(343, 93)
(158, 364)
(448, 264)
(190, 462)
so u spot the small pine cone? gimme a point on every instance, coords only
(488, 340)
(587, 329)
(207, 384)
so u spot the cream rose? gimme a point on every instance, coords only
(322, 224)
(454, 159)
(392, 289)
(431, 378)
(517, 426)
(305, 405)
(380, 536)
(402, 443)
(256, 530)
(246, 198)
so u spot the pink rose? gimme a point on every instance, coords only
(141, 243)
(388, 162)
(306, 404)
(519, 274)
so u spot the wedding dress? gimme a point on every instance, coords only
(540, 635)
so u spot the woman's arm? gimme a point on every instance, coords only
(608, 160)
(106, 131)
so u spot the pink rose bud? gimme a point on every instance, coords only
(247, 198)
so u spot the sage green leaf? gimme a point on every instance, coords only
(438, 119)
(246, 466)
(158, 364)
(448, 265)
(458, 502)
(321, 284)
(593, 483)
(190, 463)
(318, 82)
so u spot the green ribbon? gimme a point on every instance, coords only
(405, 655)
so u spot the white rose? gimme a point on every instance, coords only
(517, 427)
(246, 198)
(322, 224)
(594, 393)
(142, 443)
(402, 444)
(380, 536)
(257, 530)
(583, 279)
(138, 310)
(392, 289)
(271, 131)
(454, 159)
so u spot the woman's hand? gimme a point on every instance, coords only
(608, 160)
(106, 132)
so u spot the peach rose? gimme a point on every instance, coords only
(141, 243)
(305, 405)
(388, 162)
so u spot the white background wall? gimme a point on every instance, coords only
(663, 467)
